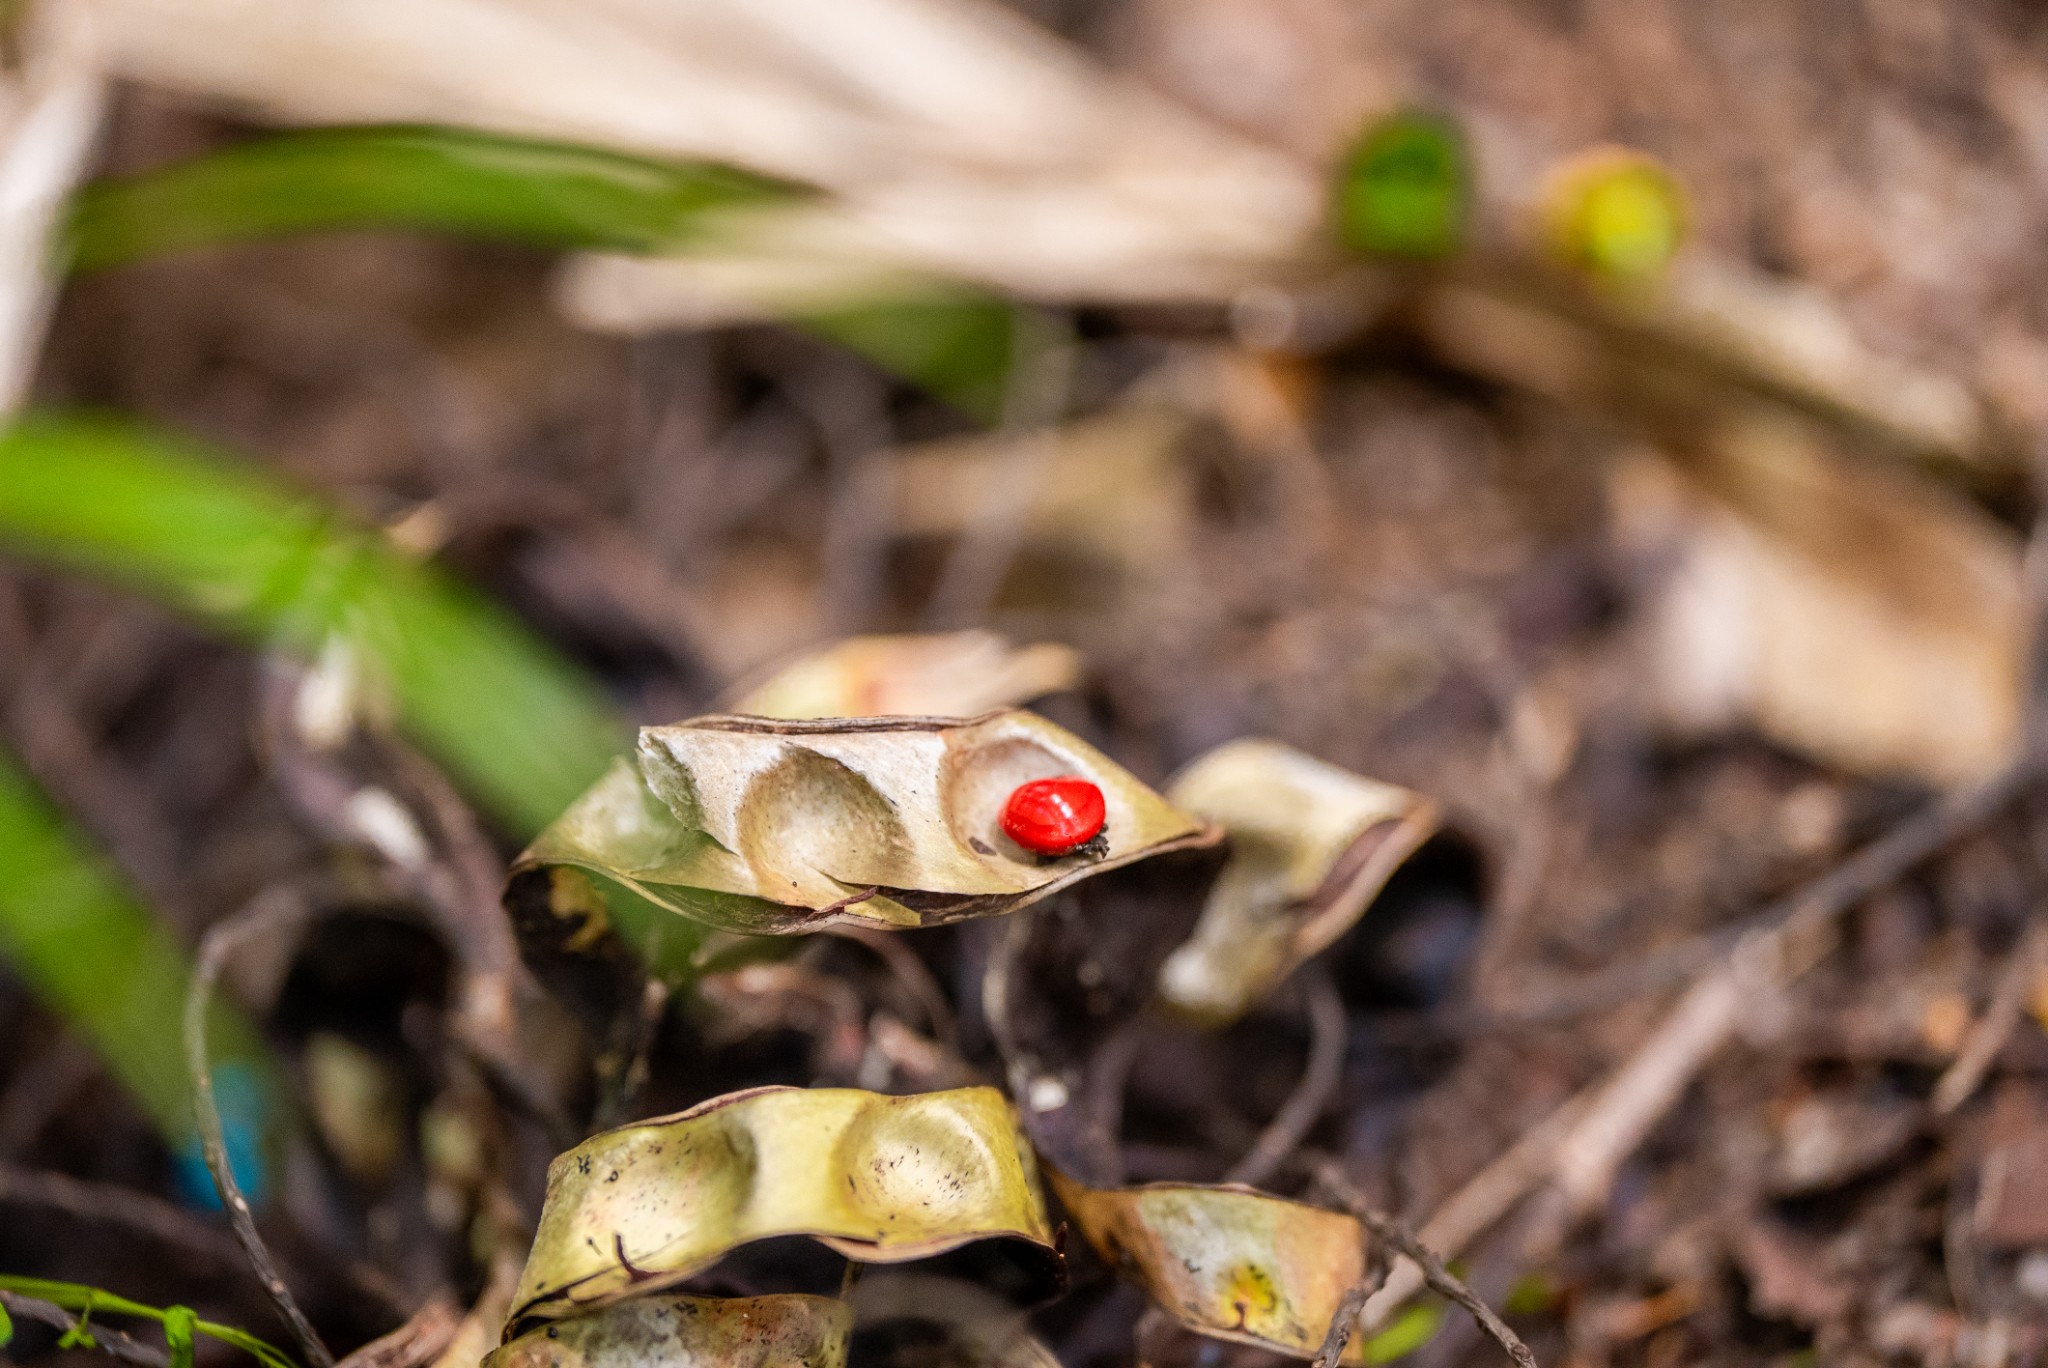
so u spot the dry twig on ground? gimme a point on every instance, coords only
(1441, 1280)
(270, 909)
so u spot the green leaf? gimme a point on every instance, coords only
(1411, 1330)
(954, 341)
(520, 728)
(71, 929)
(6, 1328)
(431, 179)
(1405, 188)
(179, 1322)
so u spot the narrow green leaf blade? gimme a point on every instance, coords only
(949, 339)
(518, 726)
(432, 179)
(82, 943)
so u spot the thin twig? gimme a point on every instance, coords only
(915, 976)
(1489, 1195)
(418, 1342)
(1349, 1315)
(119, 1343)
(1311, 1096)
(266, 912)
(1441, 1280)
(1798, 933)
(1987, 1037)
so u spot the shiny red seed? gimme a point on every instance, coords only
(1053, 816)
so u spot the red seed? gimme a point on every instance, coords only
(1053, 816)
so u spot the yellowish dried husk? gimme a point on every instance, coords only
(879, 1179)
(773, 827)
(1311, 845)
(790, 1331)
(942, 674)
(1227, 1261)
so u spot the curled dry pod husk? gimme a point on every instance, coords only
(775, 827)
(790, 1331)
(1310, 846)
(943, 674)
(1227, 1261)
(879, 1179)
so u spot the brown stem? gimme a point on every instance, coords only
(266, 911)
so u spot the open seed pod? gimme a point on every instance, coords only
(879, 1179)
(779, 827)
(667, 1331)
(1227, 1261)
(1310, 846)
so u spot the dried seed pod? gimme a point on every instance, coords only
(1227, 1261)
(879, 1179)
(1310, 846)
(778, 827)
(790, 1331)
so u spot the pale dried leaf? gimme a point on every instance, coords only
(959, 139)
(1310, 846)
(879, 1179)
(52, 100)
(1855, 614)
(948, 674)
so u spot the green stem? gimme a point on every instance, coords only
(91, 1300)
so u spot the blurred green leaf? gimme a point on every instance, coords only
(951, 340)
(436, 179)
(1405, 188)
(954, 342)
(1411, 1330)
(80, 941)
(520, 728)
(6, 1328)
(1532, 1294)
